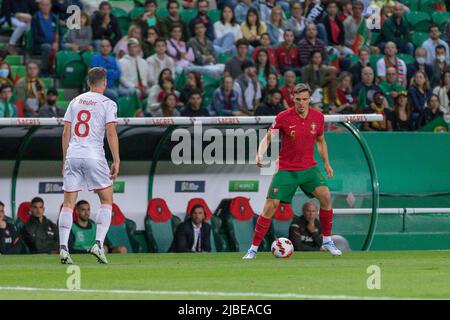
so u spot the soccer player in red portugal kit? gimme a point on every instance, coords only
(300, 127)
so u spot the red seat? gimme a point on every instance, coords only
(20, 108)
(284, 212)
(158, 210)
(199, 201)
(23, 213)
(117, 216)
(241, 209)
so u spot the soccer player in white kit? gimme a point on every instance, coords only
(87, 118)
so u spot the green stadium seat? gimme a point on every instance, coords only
(136, 11)
(63, 57)
(160, 226)
(431, 6)
(63, 104)
(224, 57)
(408, 59)
(374, 36)
(61, 94)
(413, 5)
(418, 38)
(14, 60)
(122, 18)
(354, 59)
(121, 232)
(162, 12)
(419, 21)
(18, 70)
(282, 220)
(374, 59)
(188, 14)
(214, 15)
(440, 18)
(128, 106)
(119, 12)
(48, 82)
(87, 57)
(71, 69)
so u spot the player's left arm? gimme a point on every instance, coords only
(65, 141)
(323, 152)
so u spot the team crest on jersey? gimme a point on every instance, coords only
(275, 190)
(313, 128)
(292, 135)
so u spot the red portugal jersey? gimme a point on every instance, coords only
(298, 137)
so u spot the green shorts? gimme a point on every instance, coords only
(285, 183)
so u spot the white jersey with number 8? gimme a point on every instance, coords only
(88, 114)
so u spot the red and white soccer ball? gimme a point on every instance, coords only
(282, 248)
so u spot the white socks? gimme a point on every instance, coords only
(103, 222)
(254, 248)
(326, 239)
(65, 225)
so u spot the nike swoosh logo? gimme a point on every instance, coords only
(290, 127)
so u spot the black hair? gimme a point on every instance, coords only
(80, 203)
(233, 18)
(196, 207)
(258, 21)
(37, 200)
(171, 2)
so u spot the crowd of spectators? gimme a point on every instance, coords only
(253, 53)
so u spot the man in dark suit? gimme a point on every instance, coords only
(193, 235)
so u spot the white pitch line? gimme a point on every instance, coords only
(204, 293)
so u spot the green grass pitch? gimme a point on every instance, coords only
(404, 274)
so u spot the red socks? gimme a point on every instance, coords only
(326, 221)
(262, 225)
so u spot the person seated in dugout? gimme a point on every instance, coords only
(305, 231)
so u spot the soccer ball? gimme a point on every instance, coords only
(282, 248)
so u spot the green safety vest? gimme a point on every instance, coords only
(84, 238)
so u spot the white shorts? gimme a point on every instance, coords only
(93, 172)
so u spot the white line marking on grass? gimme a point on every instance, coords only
(204, 293)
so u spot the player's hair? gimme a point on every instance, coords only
(96, 76)
(81, 202)
(302, 87)
(2, 204)
(196, 207)
(306, 204)
(37, 200)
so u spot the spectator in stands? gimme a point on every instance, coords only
(152, 100)
(17, 14)
(335, 30)
(265, 44)
(168, 107)
(39, 233)
(241, 10)
(105, 25)
(390, 86)
(418, 93)
(275, 25)
(225, 99)
(179, 50)
(31, 90)
(314, 13)
(167, 86)
(148, 19)
(134, 71)
(6, 74)
(50, 109)
(105, 60)
(346, 9)
(320, 76)
(396, 29)
(287, 54)
(46, 35)
(59, 7)
(189, 4)
(443, 92)
(309, 44)
(391, 60)
(287, 89)
(233, 66)
(149, 42)
(248, 88)
(194, 82)
(344, 103)
(194, 234)
(82, 235)
(355, 70)
(205, 61)
(7, 109)
(265, 8)
(263, 67)
(226, 31)
(194, 107)
(253, 28)
(377, 106)
(202, 6)
(400, 119)
(420, 64)
(273, 105)
(272, 84)
(80, 39)
(364, 91)
(10, 242)
(174, 18)
(159, 61)
(121, 47)
(440, 64)
(430, 112)
(432, 42)
(351, 27)
(305, 230)
(297, 22)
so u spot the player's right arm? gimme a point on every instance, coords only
(113, 141)
(265, 142)
(67, 131)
